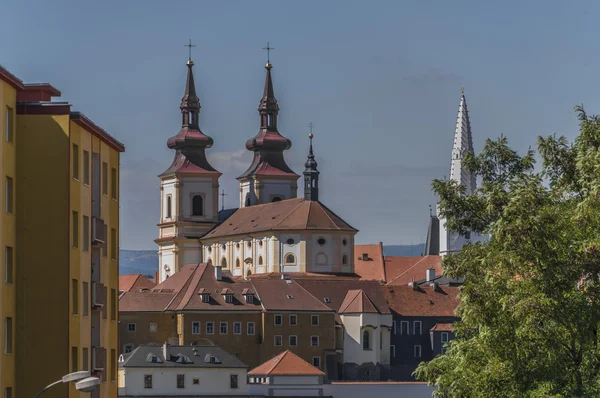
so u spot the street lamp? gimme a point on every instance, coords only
(83, 382)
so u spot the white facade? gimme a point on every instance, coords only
(378, 327)
(256, 190)
(301, 251)
(164, 381)
(343, 390)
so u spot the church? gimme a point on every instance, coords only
(273, 230)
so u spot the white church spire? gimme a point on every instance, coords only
(463, 144)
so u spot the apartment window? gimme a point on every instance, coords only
(131, 327)
(105, 246)
(153, 327)
(417, 351)
(250, 328)
(75, 228)
(74, 359)
(293, 319)
(104, 178)
(8, 392)
(393, 351)
(8, 200)
(113, 364)
(86, 167)
(76, 161)
(223, 326)
(127, 348)
(366, 340)
(113, 304)
(9, 124)
(237, 327)
(169, 206)
(316, 362)
(417, 327)
(75, 296)
(196, 381)
(210, 327)
(293, 341)
(105, 308)
(444, 337)
(278, 320)
(233, 381)
(86, 233)
(195, 327)
(180, 381)
(85, 358)
(277, 341)
(113, 244)
(314, 320)
(86, 297)
(147, 381)
(8, 335)
(404, 327)
(113, 183)
(8, 264)
(314, 341)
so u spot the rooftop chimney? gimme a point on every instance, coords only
(166, 352)
(430, 274)
(218, 273)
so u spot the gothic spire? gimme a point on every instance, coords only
(432, 244)
(311, 174)
(463, 144)
(190, 103)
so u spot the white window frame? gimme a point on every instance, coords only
(407, 327)
(314, 317)
(129, 327)
(221, 324)
(446, 336)
(415, 351)
(280, 320)
(311, 341)
(393, 351)
(248, 328)
(229, 298)
(205, 298)
(313, 362)
(275, 340)
(290, 340)
(239, 326)
(290, 319)
(196, 323)
(415, 327)
(153, 327)
(212, 325)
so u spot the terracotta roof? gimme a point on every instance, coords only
(442, 327)
(422, 301)
(286, 295)
(305, 275)
(144, 301)
(403, 270)
(291, 214)
(369, 263)
(286, 364)
(134, 282)
(356, 302)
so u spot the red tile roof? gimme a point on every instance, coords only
(403, 270)
(442, 327)
(356, 302)
(134, 282)
(144, 301)
(286, 295)
(372, 268)
(422, 301)
(286, 364)
(285, 215)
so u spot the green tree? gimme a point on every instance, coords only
(529, 306)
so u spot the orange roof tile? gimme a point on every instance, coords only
(401, 270)
(286, 295)
(144, 301)
(286, 364)
(134, 282)
(442, 327)
(422, 301)
(357, 302)
(369, 264)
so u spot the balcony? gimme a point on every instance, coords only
(98, 295)
(98, 359)
(98, 238)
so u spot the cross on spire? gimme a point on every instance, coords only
(189, 46)
(268, 48)
(222, 195)
(311, 125)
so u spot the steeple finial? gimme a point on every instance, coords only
(268, 49)
(311, 174)
(189, 46)
(463, 143)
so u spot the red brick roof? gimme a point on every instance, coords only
(144, 301)
(356, 302)
(373, 267)
(285, 215)
(286, 364)
(442, 327)
(134, 282)
(286, 295)
(403, 270)
(422, 301)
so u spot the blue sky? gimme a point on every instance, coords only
(380, 80)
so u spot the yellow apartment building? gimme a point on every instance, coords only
(66, 259)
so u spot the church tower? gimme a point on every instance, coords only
(269, 178)
(311, 175)
(189, 190)
(452, 242)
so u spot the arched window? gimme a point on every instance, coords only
(223, 263)
(276, 199)
(344, 259)
(197, 205)
(169, 206)
(260, 260)
(290, 259)
(270, 119)
(366, 340)
(237, 263)
(248, 273)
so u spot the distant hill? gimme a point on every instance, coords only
(145, 262)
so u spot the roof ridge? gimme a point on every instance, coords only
(183, 287)
(289, 214)
(311, 295)
(326, 213)
(414, 265)
(308, 215)
(185, 302)
(371, 301)
(356, 293)
(332, 212)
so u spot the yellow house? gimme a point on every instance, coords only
(66, 218)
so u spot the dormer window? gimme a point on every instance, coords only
(151, 358)
(249, 298)
(229, 298)
(205, 297)
(183, 359)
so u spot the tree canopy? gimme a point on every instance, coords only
(529, 308)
